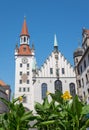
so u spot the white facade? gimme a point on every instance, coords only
(55, 74)
(82, 67)
(44, 76)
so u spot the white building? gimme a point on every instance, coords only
(55, 74)
(81, 60)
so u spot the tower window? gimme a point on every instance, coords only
(24, 89)
(51, 70)
(63, 71)
(27, 65)
(27, 81)
(20, 81)
(27, 72)
(24, 39)
(20, 72)
(20, 64)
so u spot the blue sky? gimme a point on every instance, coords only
(65, 18)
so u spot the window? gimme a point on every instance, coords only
(44, 90)
(58, 85)
(27, 81)
(20, 72)
(20, 64)
(51, 70)
(27, 65)
(27, 72)
(86, 79)
(24, 89)
(82, 83)
(19, 89)
(24, 39)
(84, 64)
(63, 71)
(28, 89)
(20, 81)
(72, 89)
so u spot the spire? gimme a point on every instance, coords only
(55, 40)
(24, 29)
(55, 43)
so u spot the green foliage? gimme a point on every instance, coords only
(17, 118)
(59, 114)
(56, 114)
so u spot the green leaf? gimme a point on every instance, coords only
(46, 103)
(85, 110)
(76, 106)
(47, 122)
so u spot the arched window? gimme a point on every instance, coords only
(44, 90)
(24, 39)
(72, 89)
(58, 85)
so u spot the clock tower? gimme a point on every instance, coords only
(24, 57)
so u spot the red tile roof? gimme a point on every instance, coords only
(24, 29)
(24, 50)
(2, 83)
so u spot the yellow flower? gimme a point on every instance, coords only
(20, 98)
(66, 95)
(47, 93)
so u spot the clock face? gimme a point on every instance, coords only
(24, 60)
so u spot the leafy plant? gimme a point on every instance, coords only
(62, 113)
(17, 118)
